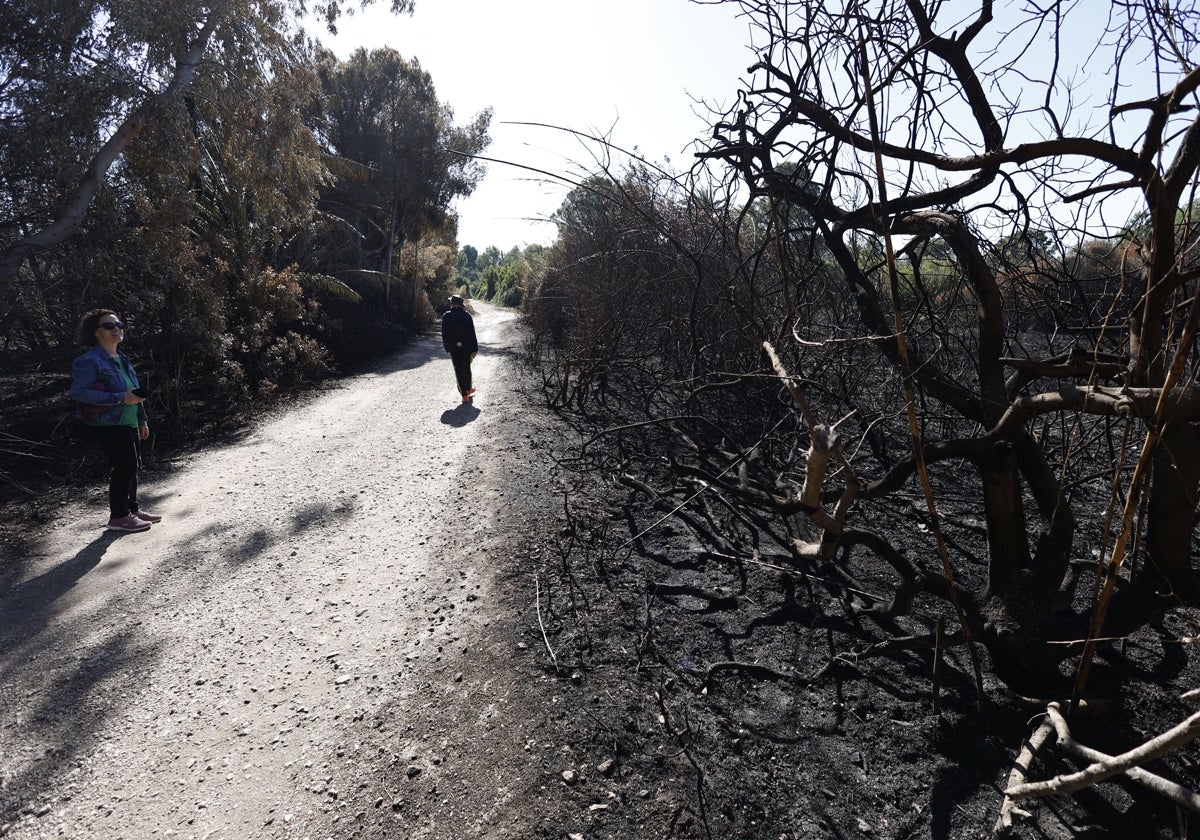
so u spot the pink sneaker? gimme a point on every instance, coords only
(147, 516)
(128, 523)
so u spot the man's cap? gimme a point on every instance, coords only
(456, 299)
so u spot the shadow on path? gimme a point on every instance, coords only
(26, 605)
(423, 350)
(460, 416)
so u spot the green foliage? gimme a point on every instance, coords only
(382, 113)
(466, 269)
(276, 215)
(501, 278)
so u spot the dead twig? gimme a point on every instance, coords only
(716, 601)
(1105, 766)
(537, 594)
(1020, 772)
(850, 657)
(683, 737)
(752, 669)
(939, 645)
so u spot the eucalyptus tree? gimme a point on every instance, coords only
(506, 281)
(82, 80)
(465, 270)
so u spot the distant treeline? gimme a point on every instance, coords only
(502, 278)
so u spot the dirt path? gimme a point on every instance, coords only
(311, 643)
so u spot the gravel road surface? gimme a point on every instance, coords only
(313, 642)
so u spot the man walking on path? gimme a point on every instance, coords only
(458, 337)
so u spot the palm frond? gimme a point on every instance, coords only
(328, 284)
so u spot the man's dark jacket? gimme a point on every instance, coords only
(458, 331)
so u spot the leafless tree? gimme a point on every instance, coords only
(1011, 224)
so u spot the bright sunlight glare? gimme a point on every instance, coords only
(636, 71)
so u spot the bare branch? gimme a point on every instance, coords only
(1105, 766)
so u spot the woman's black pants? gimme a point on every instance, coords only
(119, 445)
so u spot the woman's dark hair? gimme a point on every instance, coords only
(85, 333)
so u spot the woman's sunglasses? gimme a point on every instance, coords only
(113, 325)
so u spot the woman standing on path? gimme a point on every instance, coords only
(108, 401)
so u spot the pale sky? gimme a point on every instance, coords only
(628, 68)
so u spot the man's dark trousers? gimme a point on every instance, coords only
(462, 369)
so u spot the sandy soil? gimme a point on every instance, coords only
(308, 645)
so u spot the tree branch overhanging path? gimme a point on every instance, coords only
(185, 58)
(77, 204)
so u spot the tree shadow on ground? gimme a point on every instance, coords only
(28, 604)
(418, 354)
(65, 723)
(73, 710)
(251, 544)
(512, 353)
(90, 659)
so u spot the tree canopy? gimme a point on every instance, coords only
(384, 116)
(81, 81)
(226, 183)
